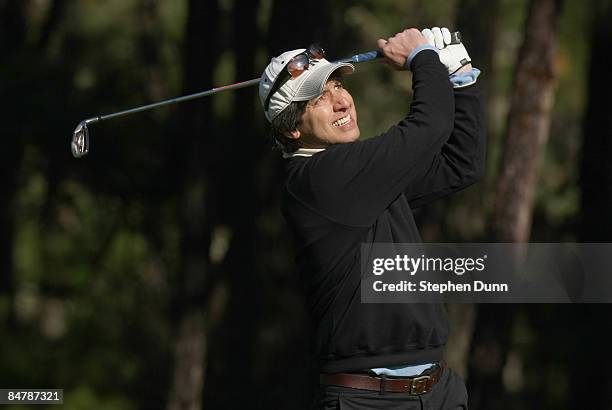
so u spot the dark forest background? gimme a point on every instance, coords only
(158, 273)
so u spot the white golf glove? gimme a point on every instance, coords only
(453, 56)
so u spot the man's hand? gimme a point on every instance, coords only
(396, 49)
(453, 56)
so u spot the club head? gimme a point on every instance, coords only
(80, 140)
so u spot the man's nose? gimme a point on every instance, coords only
(341, 102)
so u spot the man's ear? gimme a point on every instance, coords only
(294, 135)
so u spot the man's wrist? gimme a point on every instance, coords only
(464, 78)
(466, 68)
(417, 50)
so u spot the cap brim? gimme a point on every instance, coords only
(313, 85)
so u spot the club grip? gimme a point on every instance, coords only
(370, 55)
(456, 37)
(376, 54)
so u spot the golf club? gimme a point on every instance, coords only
(80, 136)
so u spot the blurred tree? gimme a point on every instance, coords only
(12, 45)
(54, 17)
(528, 123)
(477, 22)
(596, 167)
(196, 208)
(526, 135)
(238, 151)
(149, 46)
(596, 224)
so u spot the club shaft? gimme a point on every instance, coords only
(194, 96)
(357, 58)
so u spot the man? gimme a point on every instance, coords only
(341, 192)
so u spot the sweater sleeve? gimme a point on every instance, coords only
(354, 183)
(461, 160)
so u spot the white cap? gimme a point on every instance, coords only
(304, 87)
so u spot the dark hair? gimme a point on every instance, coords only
(285, 122)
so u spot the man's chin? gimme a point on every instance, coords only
(354, 135)
(346, 137)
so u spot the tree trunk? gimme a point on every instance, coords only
(596, 167)
(189, 351)
(596, 225)
(195, 209)
(528, 123)
(527, 134)
(149, 48)
(12, 42)
(54, 18)
(233, 349)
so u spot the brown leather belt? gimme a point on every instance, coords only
(415, 385)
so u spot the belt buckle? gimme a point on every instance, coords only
(416, 382)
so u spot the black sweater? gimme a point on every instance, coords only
(363, 192)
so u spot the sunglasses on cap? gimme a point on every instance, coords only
(295, 67)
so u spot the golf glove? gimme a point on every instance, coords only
(453, 56)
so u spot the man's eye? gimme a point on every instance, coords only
(321, 98)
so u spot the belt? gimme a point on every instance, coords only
(413, 385)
